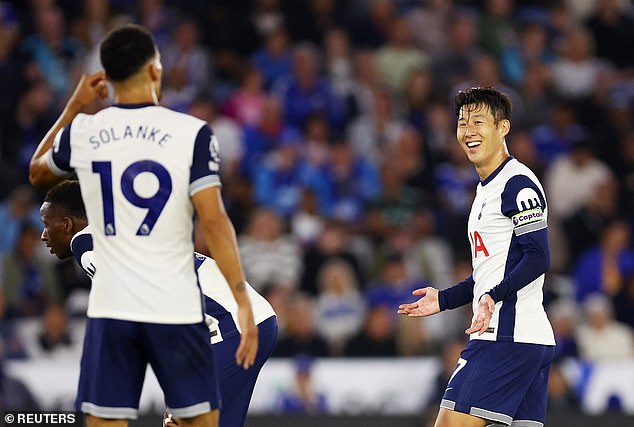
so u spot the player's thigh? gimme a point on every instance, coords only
(183, 360)
(449, 418)
(112, 369)
(237, 383)
(532, 409)
(492, 378)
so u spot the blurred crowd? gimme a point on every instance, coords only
(340, 167)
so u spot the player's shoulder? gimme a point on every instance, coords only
(517, 172)
(82, 241)
(181, 118)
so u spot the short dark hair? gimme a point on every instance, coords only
(498, 103)
(67, 196)
(125, 50)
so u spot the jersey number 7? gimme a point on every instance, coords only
(154, 204)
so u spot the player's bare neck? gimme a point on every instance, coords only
(488, 168)
(128, 93)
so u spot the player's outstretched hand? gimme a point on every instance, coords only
(482, 316)
(426, 306)
(248, 348)
(89, 88)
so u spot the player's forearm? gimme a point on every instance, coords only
(39, 173)
(535, 262)
(457, 295)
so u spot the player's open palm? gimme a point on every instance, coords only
(426, 306)
(248, 348)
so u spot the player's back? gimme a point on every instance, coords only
(135, 169)
(220, 303)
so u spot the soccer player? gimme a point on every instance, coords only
(143, 169)
(501, 377)
(66, 233)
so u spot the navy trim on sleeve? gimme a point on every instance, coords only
(534, 262)
(61, 150)
(80, 245)
(521, 185)
(457, 295)
(206, 159)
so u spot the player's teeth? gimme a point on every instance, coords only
(472, 144)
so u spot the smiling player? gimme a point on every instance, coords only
(502, 375)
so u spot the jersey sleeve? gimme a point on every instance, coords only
(59, 156)
(524, 203)
(82, 248)
(457, 295)
(205, 167)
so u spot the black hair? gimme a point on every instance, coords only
(125, 50)
(498, 103)
(67, 196)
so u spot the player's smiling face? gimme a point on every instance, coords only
(481, 138)
(57, 231)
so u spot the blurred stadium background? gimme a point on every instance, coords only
(347, 189)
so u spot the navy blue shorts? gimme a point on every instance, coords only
(501, 381)
(115, 357)
(237, 383)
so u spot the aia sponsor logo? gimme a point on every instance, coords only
(477, 245)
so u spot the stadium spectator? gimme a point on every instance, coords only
(245, 104)
(15, 210)
(398, 58)
(377, 337)
(187, 67)
(454, 63)
(274, 59)
(599, 336)
(333, 243)
(279, 181)
(339, 307)
(374, 130)
(57, 55)
(270, 253)
(604, 267)
(262, 138)
(576, 71)
(352, 182)
(300, 334)
(612, 27)
(306, 91)
(29, 282)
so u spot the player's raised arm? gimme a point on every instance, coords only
(89, 88)
(220, 237)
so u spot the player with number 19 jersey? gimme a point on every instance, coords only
(137, 176)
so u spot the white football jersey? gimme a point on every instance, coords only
(138, 166)
(508, 204)
(220, 306)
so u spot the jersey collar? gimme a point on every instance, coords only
(131, 106)
(496, 171)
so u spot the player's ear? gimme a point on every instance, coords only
(156, 68)
(67, 223)
(504, 127)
